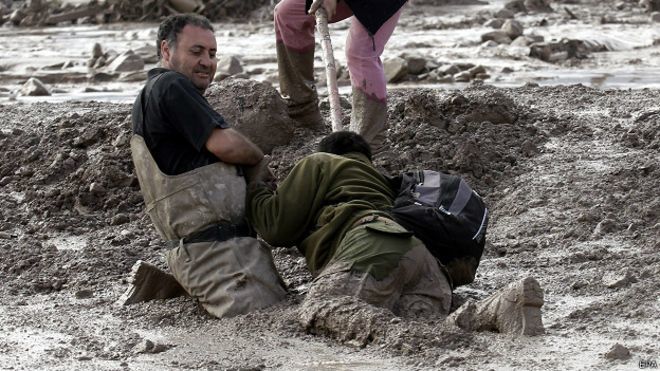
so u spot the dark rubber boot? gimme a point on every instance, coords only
(150, 283)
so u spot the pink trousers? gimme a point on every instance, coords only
(295, 29)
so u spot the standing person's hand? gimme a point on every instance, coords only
(330, 7)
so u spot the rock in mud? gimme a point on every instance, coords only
(147, 53)
(464, 76)
(495, 23)
(516, 6)
(564, 49)
(187, 6)
(415, 65)
(87, 137)
(148, 346)
(450, 69)
(498, 36)
(97, 189)
(16, 17)
(34, 87)
(97, 51)
(512, 28)
(605, 226)
(119, 219)
(539, 6)
(84, 294)
(650, 5)
(228, 66)
(395, 69)
(504, 14)
(254, 108)
(579, 284)
(126, 62)
(97, 62)
(615, 280)
(102, 77)
(477, 70)
(618, 352)
(655, 17)
(135, 76)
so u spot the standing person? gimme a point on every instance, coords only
(188, 162)
(334, 206)
(371, 27)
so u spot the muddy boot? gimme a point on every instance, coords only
(345, 318)
(369, 119)
(149, 283)
(515, 309)
(296, 75)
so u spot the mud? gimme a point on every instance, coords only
(571, 174)
(254, 108)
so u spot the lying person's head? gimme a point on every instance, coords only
(342, 142)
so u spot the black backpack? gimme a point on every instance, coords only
(447, 215)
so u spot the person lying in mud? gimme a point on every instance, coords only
(333, 206)
(187, 160)
(372, 24)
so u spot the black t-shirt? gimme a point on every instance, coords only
(175, 121)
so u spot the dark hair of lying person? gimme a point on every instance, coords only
(342, 142)
(172, 26)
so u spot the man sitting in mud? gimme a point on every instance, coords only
(187, 160)
(334, 206)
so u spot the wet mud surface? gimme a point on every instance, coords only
(571, 174)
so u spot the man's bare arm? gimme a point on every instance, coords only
(230, 146)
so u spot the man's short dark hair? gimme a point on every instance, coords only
(342, 142)
(172, 26)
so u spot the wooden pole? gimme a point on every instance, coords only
(330, 69)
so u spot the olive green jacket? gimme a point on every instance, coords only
(317, 203)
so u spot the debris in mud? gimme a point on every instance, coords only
(559, 51)
(395, 69)
(84, 294)
(125, 62)
(512, 28)
(415, 68)
(228, 65)
(524, 6)
(614, 280)
(497, 36)
(618, 352)
(34, 87)
(148, 346)
(650, 5)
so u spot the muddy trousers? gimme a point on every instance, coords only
(294, 32)
(335, 304)
(228, 278)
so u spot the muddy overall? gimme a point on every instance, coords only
(225, 268)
